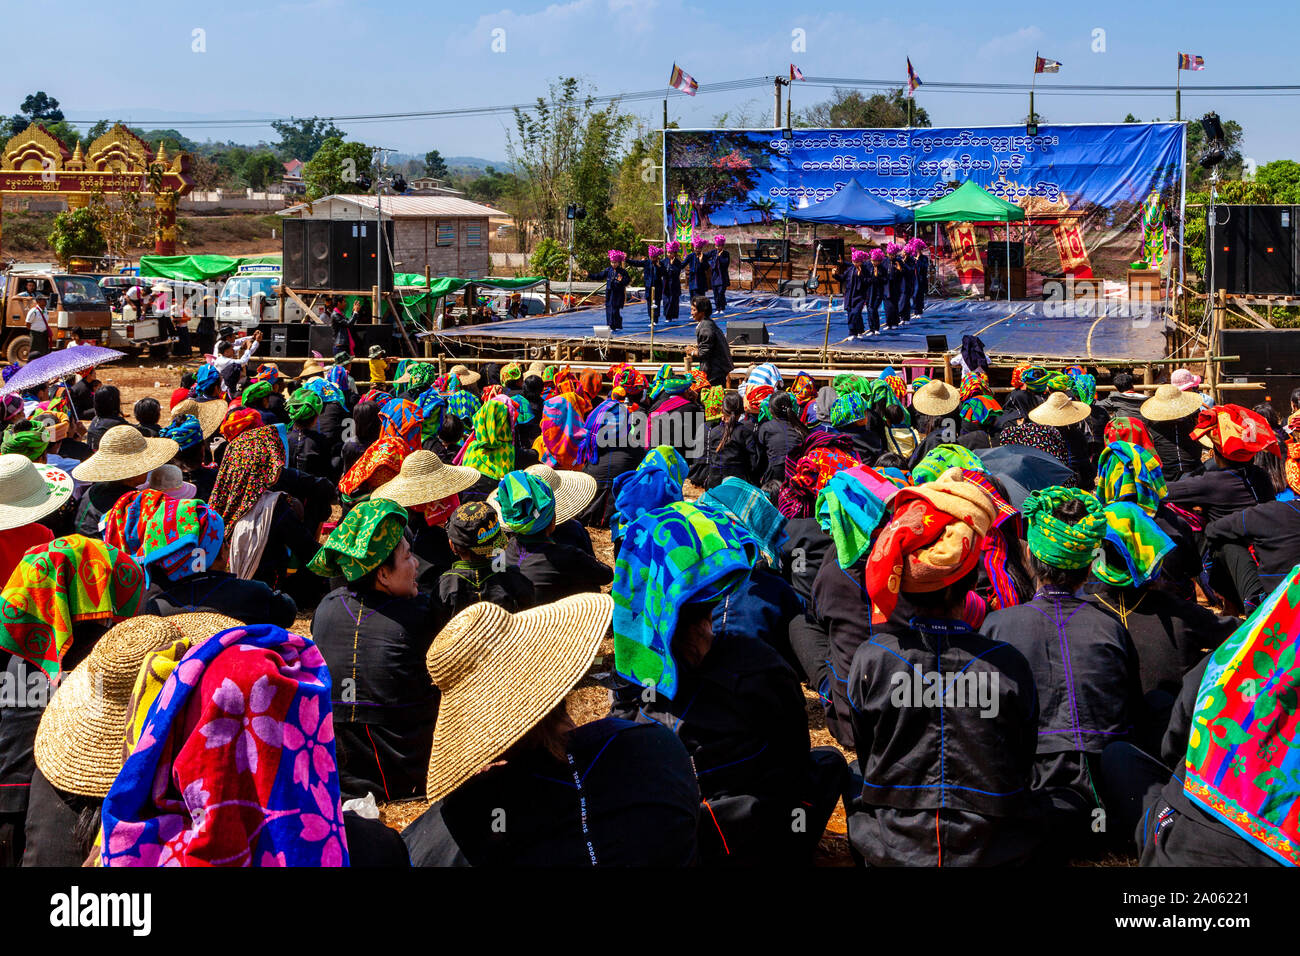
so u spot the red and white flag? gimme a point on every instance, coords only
(681, 80)
(795, 73)
(1043, 65)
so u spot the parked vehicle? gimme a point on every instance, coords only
(252, 296)
(80, 304)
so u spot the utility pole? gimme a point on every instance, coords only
(776, 114)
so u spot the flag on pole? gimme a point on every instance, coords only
(1190, 61)
(795, 73)
(1043, 65)
(913, 81)
(681, 80)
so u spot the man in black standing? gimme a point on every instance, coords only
(710, 343)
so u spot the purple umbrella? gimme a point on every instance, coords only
(57, 365)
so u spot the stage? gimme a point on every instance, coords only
(1113, 331)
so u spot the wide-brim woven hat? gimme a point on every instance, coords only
(1170, 403)
(210, 413)
(29, 492)
(311, 367)
(79, 741)
(1060, 410)
(936, 398)
(198, 626)
(535, 369)
(500, 673)
(464, 375)
(574, 491)
(425, 478)
(125, 453)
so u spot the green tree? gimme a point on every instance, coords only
(849, 109)
(301, 138)
(76, 234)
(37, 107)
(638, 188)
(261, 169)
(591, 185)
(338, 167)
(549, 259)
(1282, 178)
(435, 165)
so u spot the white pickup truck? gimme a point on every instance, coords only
(252, 296)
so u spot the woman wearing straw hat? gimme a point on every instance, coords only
(935, 404)
(1084, 665)
(1068, 416)
(123, 461)
(516, 782)
(374, 631)
(1170, 415)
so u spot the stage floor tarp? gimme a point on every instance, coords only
(1114, 329)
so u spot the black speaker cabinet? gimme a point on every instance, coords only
(294, 253)
(321, 339)
(380, 334)
(345, 246)
(1261, 351)
(995, 254)
(746, 333)
(1271, 254)
(319, 234)
(829, 250)
(368, 255)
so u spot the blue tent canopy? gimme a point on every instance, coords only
(853, 206)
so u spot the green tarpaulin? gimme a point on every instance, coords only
(199, 268)
(969, 203)
(440, 286)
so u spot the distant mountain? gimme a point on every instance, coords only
(474, 163)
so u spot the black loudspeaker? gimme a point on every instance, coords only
(368, 255)
(318, 253)
(1262, 351)
(294, 253)
(321, 339)
(829, 250)
(746, 333)
(368, 335)
(995, 255)
(1270, 259)
(345, 262)
(936, 343)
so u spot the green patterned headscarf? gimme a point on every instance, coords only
(492, 450)
(943, 457)
(256, 392)
(1059, 543)
(1140, 543)
(421, 375)
(304, 406)
(1058, 382)
(850, 407)
(848, 383)
(527, 503)
(1129, 472)
(362, 541)
(26, 439)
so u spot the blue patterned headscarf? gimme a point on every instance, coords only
(462, 404)
(207, 381)
(328, 391)
(751, 511)
(656, 482)
(849, 408)
(671, 557)
(187, 432)
(604, 419)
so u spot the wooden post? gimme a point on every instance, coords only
(282, 297)
(548, 296)
(1216, 325)
(947, 367)
(374, 303)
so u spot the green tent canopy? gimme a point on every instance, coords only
(969, 203)
(199, 268)
(440, 286)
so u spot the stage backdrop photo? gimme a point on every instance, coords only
(1097, 199)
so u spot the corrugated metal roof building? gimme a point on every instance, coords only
(447, 234)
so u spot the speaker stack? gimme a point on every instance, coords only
(338, 255)
(1254, 250)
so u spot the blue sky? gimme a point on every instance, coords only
(362, 56)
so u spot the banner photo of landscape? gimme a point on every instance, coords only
(1097, 198)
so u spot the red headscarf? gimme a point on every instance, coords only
(1130, 430)
(1239, 434)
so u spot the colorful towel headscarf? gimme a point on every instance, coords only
(463, 404)
(1084, 385)
(337, 374)
(402, 420)
(942, 457)
(175, 536)
(1128, 472)
(125, 522)
(1292, 467)
(993, 549)
(266, 372)
(671, 557)
(512, 372)
(26, 439)
(527, 503)
(1141, 544)
(809, 467)
(255, 393)
(562, 434)
(666, 384)
(980, 409)
(850, 407)
(932, 540)
(847, 383)
(187, 432)
(362, 541)
(1241, 752)
(251, 466)
(1129, 430)
(975, 383)
(432, 406)
(238, 421)
(207, 382)
(254, 782)
(492, 449)
(378, 465)
(604, 428)
(421, 376)
(1034, 378)
(765, 374)
(328, 391)
(656, 483)
(1238, 433)
(626, 380)
(751, 511)
(1059, 543)
(57, 585)
(804, 389)
(849, 513)
(1033, 435)
(711, 398)
(376, 395)
(304, 406)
